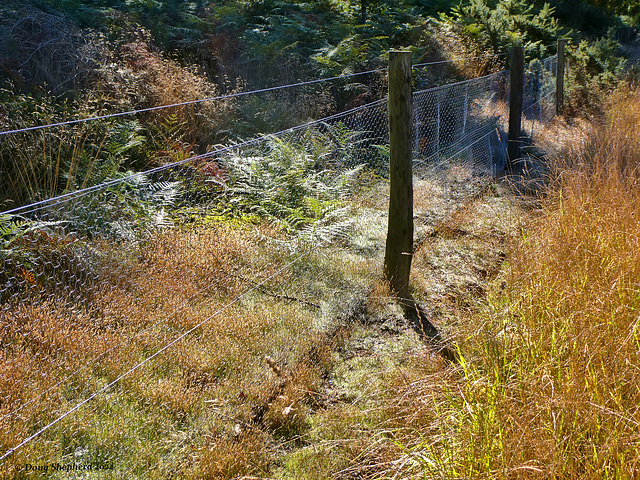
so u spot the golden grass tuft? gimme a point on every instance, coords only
(227, 457)
(380, 295)
(547, 386)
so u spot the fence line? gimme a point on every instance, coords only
(218, 151)
(95, 256)
(232, 95)
(191, 102)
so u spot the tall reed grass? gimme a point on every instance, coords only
(548, 383)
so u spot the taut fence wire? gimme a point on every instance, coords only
(135, 315)
(226, 97)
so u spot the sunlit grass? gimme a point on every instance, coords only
(543, 306)
(547, 386)
(163, 373)
(221, 297)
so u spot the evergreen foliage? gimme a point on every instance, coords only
(510, 22)
(596, 68)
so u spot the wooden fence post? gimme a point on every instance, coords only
(399, 248)
(515, 105)
(560, 77)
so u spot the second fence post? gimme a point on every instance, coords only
(515, 105)
(399, 248)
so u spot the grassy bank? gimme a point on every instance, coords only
(550, 385)
(540, 295)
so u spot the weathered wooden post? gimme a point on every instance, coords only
(560, 76)
(399, 249)
(515, 105)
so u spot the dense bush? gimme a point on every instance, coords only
(497, 28)
(86, 58)
(594, 70)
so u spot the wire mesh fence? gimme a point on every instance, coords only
(100, 289)
(136, 315)
(539, 100)
(462, 122)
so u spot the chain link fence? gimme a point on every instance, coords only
(136, 315)
(462, 122)
(539, 102)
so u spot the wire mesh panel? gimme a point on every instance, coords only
(101, 289)
(539, 99)
(463, 121)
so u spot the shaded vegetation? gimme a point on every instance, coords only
(65, 59)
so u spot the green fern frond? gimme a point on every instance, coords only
(11, 226)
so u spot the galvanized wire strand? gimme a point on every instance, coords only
(79, 193)
(455, 60)
(233, 95)
(191, 102)
(42, 204)
(225, 97)
(156, 354)
(462, 82)
(36, 206)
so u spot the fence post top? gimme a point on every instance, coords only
(399, 52)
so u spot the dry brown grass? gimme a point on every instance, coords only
(547, 383)
(547, 386)
(54, 358)
(175, 351)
